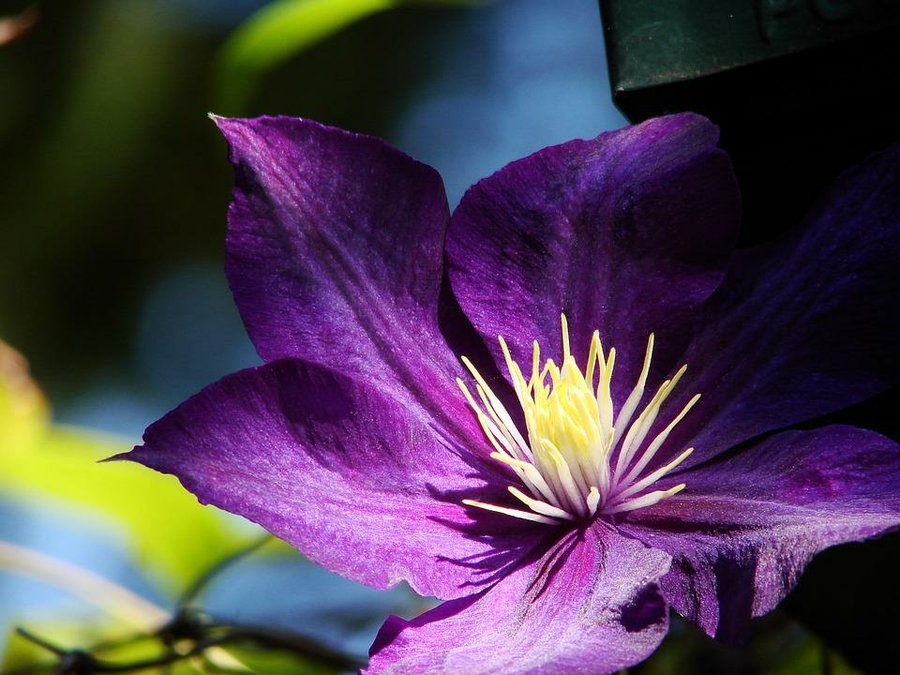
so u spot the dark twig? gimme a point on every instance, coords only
(40, 642)
(273, 638)
(192, 591)
(190, 633)
(80, 662)
(194, 628)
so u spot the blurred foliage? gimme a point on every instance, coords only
(849, 596)
(23, 655)
(276, 663)
(778, 646)
(113, 176)
(173, 536)
(184, 546)
(183, 655)
(284, 28)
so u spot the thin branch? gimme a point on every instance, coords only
(71, 661)
(186, 627)
(297, 643)
(77, 660)
(41, 642)
(199, 584)
(92, 588)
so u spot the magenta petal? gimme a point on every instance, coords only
(627, 233)
(353, 479)
(589, 605)
(804, 329)
(745, 527)
(334, 255)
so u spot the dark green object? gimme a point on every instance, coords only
(800, 88)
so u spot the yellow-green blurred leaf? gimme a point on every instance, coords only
(284, 28)
(275, 662)
(777, 646)
(120, 649)
(278, 31)
(170, 530)
(172, 535)
(813, 658)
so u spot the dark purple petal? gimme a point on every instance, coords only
(589, 605)
(745, 527)
(353, 479)
(627, 233)
(807, 328)
(334, 255)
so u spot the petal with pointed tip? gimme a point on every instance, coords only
(334, 255)
(356, 481)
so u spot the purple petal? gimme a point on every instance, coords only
(589, 605)
(354, 480)
(627, 233)
(807, 328)
(745, 527)
(334, 255)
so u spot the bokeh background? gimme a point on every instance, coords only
(113, 191)
(114, 182)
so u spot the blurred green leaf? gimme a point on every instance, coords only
(275, 33)
(274, 662)
(813, 658)
(173, 536)
(106, 642)
(22, 655)
(777, 646)
(284, 28)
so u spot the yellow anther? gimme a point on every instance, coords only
(565, 460)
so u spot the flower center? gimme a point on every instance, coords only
(580, 457)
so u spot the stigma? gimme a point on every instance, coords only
(577, 457)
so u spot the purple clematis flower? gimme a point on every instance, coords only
(558, 505)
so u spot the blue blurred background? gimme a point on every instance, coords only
(114, 184)
(113, 191)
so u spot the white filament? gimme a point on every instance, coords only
(566, 464)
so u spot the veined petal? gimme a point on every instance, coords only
(353, 479)
(334, 255)
(805, 328)
(589, 605)
(627, 233)
(742, 534)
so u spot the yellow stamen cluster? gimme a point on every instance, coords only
(580, 458)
